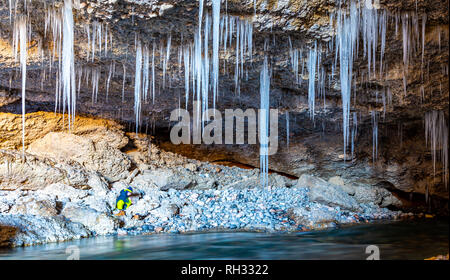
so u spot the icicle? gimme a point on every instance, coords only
(236, 69)
(95, 80)
(312, 78)
(383, 24)
(347, 34)
(287, 129)
(20, 43)
(439, 37)
(145, 75)
(153, 73)
(436, 136)
(354, 132)
(186, 74)
(215, 58)
(166, 59)
(123, 82)
(264, 123)
(205, 67)
(424, 20)
(406, 49)
(137, 85)
(374, 136)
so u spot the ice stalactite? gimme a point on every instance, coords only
(406, 49)
(205, 67)
(424, 22)
(287, 129)
(294, 57)
(137, 85)
(383, 26)
(215, 58)
(237, 88)
(180, 57)
(145, 74)
(347, 34)
(436, 136)
(186, 59)
(95, 80)
(312, 79)
(68, 63)
(370, 23)
(123, 82)
(11, 3)
(374, 115)
(201, 62)
(97, 34)
(153, 73)
(61, 24)
(264, 91)
(80, 76)
(354, 133)
(166, 59)
(20, 44)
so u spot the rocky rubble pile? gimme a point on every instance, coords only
(65, 187)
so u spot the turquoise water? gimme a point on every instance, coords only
(395, 240)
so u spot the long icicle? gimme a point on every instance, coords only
(20, 39)
(216, 22)
(264, 91)
(137, 85)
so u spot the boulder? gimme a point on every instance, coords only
(390, 200)
(29, 172)
(25, 230)
(376, 195)
(312, 216)
(94, 221)
(164, 212)
(178, 185)
(38, 124)
(143, 206)
(63, 191)
(28, 205)
(101, 157)
(164, 179)
(326, 193)
(99, 203)
(336, 180)
(97, 184)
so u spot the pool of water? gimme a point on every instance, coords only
(395, 240)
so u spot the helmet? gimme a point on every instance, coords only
(129, 189)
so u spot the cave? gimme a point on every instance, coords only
(326, 117)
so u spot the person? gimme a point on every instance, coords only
(123, 201)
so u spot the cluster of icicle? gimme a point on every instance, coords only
(361, 30)
(436, 136)
(61, 22)
(215, 36)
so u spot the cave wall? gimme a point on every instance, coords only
(403, 158)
